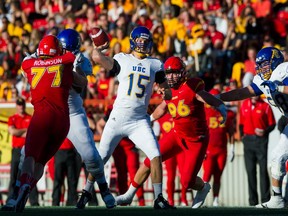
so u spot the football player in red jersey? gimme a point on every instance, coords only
(190, 133)
(216, 153)
(50, 77)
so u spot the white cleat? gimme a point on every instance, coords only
(201, 196)
(123, 200)
(275, 202)
(216, 202)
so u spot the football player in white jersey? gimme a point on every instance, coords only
(80, 134)
(272, 80)
(136, 73)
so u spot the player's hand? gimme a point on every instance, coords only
(259, 132)
(271, 85)
(161, 91)
(232, 153)
(102, 47)
(222, 109)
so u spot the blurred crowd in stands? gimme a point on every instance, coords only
(217, 39)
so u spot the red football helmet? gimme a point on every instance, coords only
(49, 46)
(175, 71)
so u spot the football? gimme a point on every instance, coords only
(99, 36)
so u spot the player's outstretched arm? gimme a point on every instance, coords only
(237, 94)
(213, 101)
(160, 110)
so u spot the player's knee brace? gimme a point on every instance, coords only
(96, 168)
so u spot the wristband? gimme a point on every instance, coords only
(281, 88)
(152, 118)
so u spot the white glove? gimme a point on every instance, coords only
(222, 109)
(82, 65)
(232, 152)
(29, 56)
(78, 60)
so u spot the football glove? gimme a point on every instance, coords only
(82, 65)
(222, 109)
(271, 85)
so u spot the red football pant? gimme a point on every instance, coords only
(213, 165)
(171, 168)
(194, 151)
(47, 130)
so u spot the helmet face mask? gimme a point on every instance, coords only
(174, 69)
(173, 78)
(70, 40)
(267, 59)
(141, 40)
(264, 70)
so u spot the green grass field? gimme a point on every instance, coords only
(146, 211)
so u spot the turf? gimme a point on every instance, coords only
(146, 211)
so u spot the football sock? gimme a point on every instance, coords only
(131, 191)
(276, 191)
(89, 186)
(157, 187)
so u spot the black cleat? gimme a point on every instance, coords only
(84, 199)
(22, 198)
(106, 195)
(162, 203)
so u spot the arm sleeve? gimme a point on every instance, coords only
(115, 70)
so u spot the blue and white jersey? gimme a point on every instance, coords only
(75, 100)
(277, 99)
(136, 78)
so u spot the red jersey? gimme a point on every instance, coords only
(19, 122)
(166, 123)
(261, 116)
(188, 113)
(218, 132)
(49, 80)
(103, 88)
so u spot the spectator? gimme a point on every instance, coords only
(17, 127)
(104, 87)
(71, 22)
(141, 18)
(103, 22)
(231, 45)
(163, 42)
(115, 9)
(256, 122)
(249, 66)
(65, 163)
(121, 38)
(76, 7)
(91, 20)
